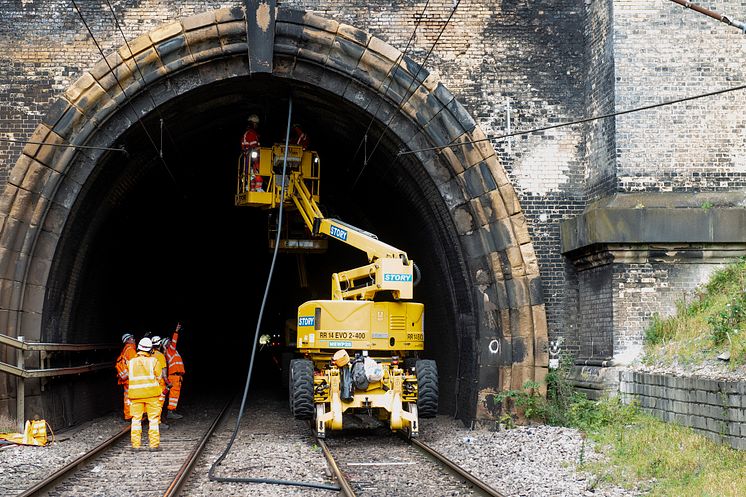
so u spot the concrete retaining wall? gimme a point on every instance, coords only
(716, 409)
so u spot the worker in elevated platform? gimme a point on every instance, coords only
(145, 390)
(250, 149)
(300, 137)
(175, 371)
(122, 365)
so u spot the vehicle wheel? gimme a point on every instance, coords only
(427, 387)
(301, 388)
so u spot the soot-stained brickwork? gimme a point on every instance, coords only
(515, 66)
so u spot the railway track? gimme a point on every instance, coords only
(113, 468)
(384, 464)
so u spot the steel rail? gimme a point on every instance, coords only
(48, 483)
(341, 478)
(186, 469)
(455, 468)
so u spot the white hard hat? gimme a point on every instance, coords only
(156, 340)
(253, 118)
(127, 336)
(146, 345)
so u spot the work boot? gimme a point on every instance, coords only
(163, 426)
(173, 415)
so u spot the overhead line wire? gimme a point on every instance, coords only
(407, 94)
(142, 77)
(579, 121)
(388, 83)
(127, 97)
(68, 145)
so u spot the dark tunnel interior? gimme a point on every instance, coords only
(152, 243)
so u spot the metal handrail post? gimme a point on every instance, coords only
(20, 388)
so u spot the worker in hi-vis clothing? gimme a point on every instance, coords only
(128, 352)
(250, 149)
(163, 364)
(175, 371)
(145, 389)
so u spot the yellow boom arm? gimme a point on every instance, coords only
(389, 270)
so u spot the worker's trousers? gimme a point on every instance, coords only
(127, 403)
(173, 394)
(152, 406)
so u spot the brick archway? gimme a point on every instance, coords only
(507, 336)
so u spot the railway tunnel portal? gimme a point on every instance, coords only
(97, 242)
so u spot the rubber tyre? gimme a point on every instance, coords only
(301, 388)
(427, 387)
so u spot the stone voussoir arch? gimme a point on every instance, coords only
(339, 58)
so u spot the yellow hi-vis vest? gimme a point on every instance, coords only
(144, 374)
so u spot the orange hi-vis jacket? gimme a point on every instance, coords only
(173, 358)
(144, 377)
(128, 352)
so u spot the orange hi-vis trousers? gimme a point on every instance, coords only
(175, 392)
(153, 407)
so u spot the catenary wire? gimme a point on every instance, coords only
(388, 84)
(127, 97)
(211, 472)
(407, 94)
(142, 77)
(579, 121)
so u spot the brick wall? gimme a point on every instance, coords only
(532, 63)
(596, 322)
(645, 289)
(716, 409)
(664, 52)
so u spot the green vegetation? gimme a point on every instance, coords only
(713, 322)
(640, 451)
(667, 460)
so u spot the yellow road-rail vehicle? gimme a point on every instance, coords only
(359, 348)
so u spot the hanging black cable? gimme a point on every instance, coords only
(580, 121)
(127, 97)
(407, 94)
(211, 472)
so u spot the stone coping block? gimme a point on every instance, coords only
(658, 218)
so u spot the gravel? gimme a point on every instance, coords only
(710, 369)
(525, 461)
(22, 466)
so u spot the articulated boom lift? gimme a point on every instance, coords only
(365, 317)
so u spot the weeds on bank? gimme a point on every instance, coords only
(641, 452)
(667, 460)
(713, 322)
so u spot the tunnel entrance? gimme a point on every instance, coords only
(131, 242)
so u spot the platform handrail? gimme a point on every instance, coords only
(54, 347)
